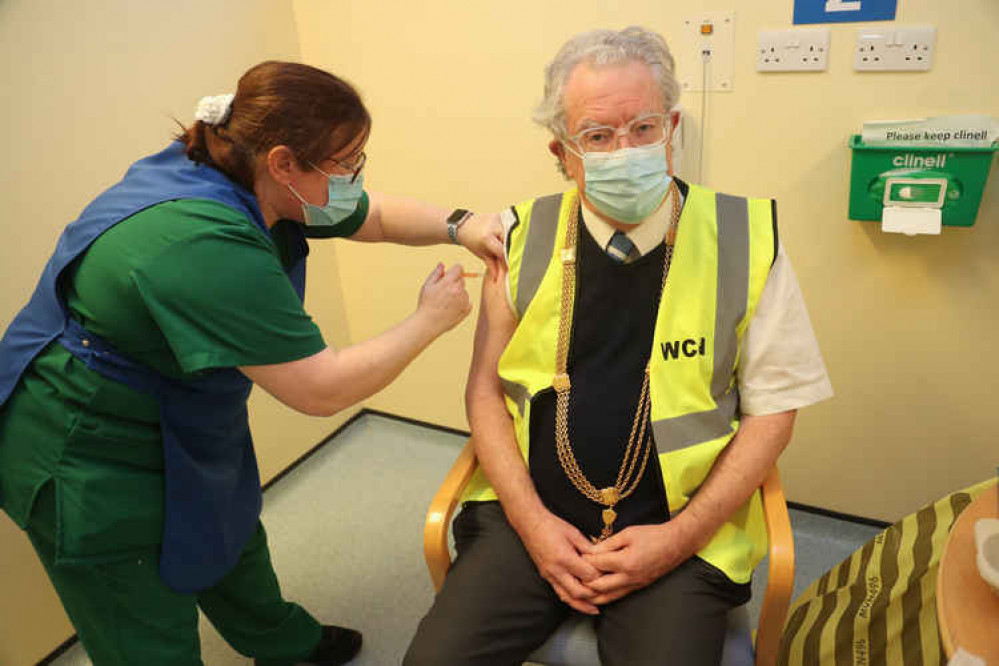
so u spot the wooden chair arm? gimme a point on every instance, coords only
(780, 572)
(435, 531)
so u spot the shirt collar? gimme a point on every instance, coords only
(646, 235)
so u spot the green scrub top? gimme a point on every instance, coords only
(182, 287)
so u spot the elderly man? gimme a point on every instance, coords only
(635, 377)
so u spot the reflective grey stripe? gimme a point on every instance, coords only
(516, 392)
(733, 285)
(538, 248)
(690, 429)
(732, 295)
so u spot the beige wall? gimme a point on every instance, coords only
(89, 88)
(906, 324)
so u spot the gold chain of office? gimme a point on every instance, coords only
(638, 447)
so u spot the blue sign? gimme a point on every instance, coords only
(843, 11)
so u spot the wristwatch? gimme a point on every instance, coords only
(454, 221)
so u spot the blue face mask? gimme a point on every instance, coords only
(343, 197)
(627, 185)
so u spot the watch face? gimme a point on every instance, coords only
(456, 216)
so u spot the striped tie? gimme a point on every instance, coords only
(621, 249)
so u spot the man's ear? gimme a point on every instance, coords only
(556, 148)
(281, 164)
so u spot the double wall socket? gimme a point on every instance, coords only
(794, 50)
(899, 49)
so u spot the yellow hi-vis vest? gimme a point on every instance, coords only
(723, 252)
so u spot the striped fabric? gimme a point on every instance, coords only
(621, 249)
(878, 606)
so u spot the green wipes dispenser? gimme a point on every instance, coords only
(917, 185)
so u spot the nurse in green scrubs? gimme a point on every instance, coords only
(189, 286)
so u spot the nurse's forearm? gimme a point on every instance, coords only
(403, 220)
(332, 380)
(359, 371)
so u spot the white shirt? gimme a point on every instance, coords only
(781, 367)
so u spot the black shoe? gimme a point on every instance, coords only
(337, 646)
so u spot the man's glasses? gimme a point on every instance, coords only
(642, 131)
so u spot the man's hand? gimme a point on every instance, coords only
(557, 549)
(631, 559)
(641, 554)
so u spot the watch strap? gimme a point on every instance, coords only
(454, 221)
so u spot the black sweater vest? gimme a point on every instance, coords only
(613, 327)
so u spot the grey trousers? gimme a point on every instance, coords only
(495, 608)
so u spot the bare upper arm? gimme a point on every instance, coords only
(371, 230)
(495, 327)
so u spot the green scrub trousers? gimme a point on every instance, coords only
(125, 614)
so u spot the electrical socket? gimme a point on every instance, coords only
(900, 49)
(793, 50)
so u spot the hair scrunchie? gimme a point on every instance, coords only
(214, 109)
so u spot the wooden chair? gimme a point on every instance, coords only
(574, 643)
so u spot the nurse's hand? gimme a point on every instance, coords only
(443, 298)
(482, 234)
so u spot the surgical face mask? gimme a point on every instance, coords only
(627, 185)
(343, 197)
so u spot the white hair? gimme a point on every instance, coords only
(605, 47)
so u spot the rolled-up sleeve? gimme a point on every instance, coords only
(509, 220)
(781, 366)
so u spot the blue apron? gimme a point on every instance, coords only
(211, 480)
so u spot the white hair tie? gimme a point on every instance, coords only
(214, 109)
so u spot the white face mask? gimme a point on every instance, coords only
(627, 185)
(343, 198)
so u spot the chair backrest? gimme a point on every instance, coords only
(780, 571)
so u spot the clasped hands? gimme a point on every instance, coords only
(586, 575)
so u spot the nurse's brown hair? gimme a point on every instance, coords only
(313, 112)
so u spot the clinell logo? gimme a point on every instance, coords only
(911, 160)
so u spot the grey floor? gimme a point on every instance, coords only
(345, 531)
